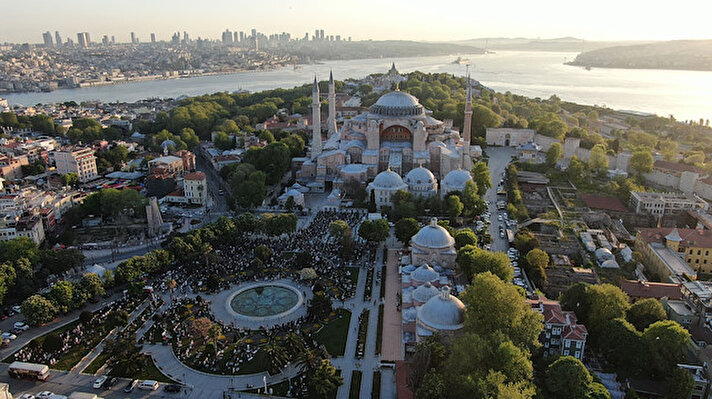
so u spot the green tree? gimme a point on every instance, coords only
(598, 160)
(679, 384)
(497, 307)
(223, 141)
(432, 387)
(320, 305)
(666, 342)
(623, 346)
(263, 253)
(483, 118)
(473, 204)
(374, 230)
(668, 148)
(537, 260)
(339, 229)
(38, 310)
(324, 381)
(454, 206)
(554, 153)
(62, 294)
(276, 355)
(473, 260)
(606, 302)
(645, 312)
(405, 229)
(576, 170)
(70, 179)
(464, 237)
(568, 378)
(481, 176)
(642, 160)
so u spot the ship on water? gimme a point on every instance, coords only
(461, 61)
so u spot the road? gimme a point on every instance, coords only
(215, 183)
(499, 158)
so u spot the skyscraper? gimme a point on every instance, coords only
(321, 34)
(316, 34)
(227, 37)
(175, 39)
(134, 38)
(57, 38)
(82, 40)
(47, 39)
(235, 37)
(186, 37)
(254, 32)
(87, 39)
(242, 37)
(105, 40)
(153, 37)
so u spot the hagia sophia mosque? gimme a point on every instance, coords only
(397, 143)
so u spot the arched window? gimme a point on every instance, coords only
(396, 133)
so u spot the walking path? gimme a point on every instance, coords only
(392, 319)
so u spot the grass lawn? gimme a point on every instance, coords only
(355, 389)
(334, 334)
(96, 364)
(379, 332)
(376, 387)
(150, 372)
(354, 273)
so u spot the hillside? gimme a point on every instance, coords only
(564, 44)
(678, 54)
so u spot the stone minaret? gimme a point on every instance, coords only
(467, 127)
(316, 121)
(332, 105)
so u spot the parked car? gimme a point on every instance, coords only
(21, 325)
(173, 388)
(109, 382)
(17, 331)
(7, 335)
(131, 385)
(99, 382)
(44, 395)
(27, 396)
(17, 309)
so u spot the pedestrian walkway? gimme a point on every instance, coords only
(392, 348)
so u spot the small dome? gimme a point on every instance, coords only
(424, 273)
(674, 235)
(388, 180)
(456, 179)
(442, 312)
(424, 292)
(168, 143)
(419, 175)
(433, 236)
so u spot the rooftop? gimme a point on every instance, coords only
(603, 202)
(649, 289)
(690, 237)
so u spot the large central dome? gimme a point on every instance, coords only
(397, 103)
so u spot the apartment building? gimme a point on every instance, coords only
(76, 160)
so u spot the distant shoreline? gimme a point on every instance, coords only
(645, 67)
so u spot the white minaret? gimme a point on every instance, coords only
(332, 106)
(316, 121)
(467, 128)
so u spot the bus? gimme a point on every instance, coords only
(32, 371)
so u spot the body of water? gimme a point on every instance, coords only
(684, 94)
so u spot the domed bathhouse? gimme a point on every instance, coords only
(433, 244)
(443, 314)
(384, 186)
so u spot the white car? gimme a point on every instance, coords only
(21, 325)
(99, 382)
(8, 335)
(27, 396)
(17, 309)
(44, 395)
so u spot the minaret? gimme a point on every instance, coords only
(316, 121)
(332, 105)
(467, 127)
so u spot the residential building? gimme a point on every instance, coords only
(169, 164)
(195, 188)
(659, 204)
(562, 335)
(76, 160)
(11, 166)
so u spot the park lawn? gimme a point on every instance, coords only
(334, 334)
(258, 364)
(40, 340)
(355, 389)
(96, 364)
(150, 372)
(354, 273)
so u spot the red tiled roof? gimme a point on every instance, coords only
(177, 193)
(648, 289)
(678, 167)
(603, 202)
(576, 332)
(690, 237)
(195, 176)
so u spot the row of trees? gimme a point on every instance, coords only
(63, 296)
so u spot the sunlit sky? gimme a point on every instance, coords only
(24, 21)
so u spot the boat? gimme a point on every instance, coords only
(461, 61)
(588, 67)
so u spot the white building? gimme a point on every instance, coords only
(433, 244)
(76, 160)
(384, 186)
(421, 182)
(659, 204)
(195, 188)
(454, 181)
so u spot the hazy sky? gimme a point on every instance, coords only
(24, 21)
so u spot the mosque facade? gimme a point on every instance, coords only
(396, 134)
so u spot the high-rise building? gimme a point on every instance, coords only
(105, 40)
(82, 40)
(316, 34)
(186, 37)
(254, 32)
(257, 46)
(57, 38)
(242, 37)
(153, 37)
(321, 34)
(175, 39)
(47, 39)
(87, 38)
(113, 39)
(134, 38)
(338, 38)
(227, 37)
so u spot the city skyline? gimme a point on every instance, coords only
(453, 20)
